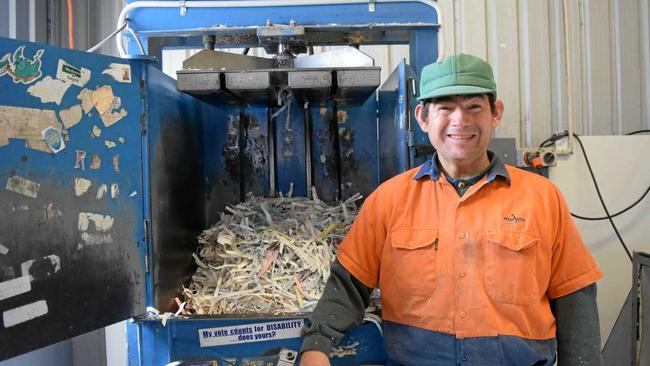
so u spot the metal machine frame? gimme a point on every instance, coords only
(345, 134)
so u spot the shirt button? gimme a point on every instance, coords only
(461, 275)
(462, 314)
(463, 357)
(462, 235)
(461, 185)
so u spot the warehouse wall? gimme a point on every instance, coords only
(46, 21)
(580, 61)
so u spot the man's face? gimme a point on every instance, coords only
(460, 127)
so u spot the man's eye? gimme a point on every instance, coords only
(474, 107)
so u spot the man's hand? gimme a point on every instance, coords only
(314, 358)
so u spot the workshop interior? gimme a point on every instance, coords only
(129, 130)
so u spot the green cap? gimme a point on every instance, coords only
(459, 74)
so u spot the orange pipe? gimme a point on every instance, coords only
(70, 25)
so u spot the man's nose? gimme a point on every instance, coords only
(459, 117)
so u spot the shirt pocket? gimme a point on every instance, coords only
(510, 274)
(413, 261)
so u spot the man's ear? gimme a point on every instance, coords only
(497, 113)
(421, 117)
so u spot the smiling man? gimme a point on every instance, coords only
(478, 263)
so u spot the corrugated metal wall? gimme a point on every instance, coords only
(46, 21)
(556, 61)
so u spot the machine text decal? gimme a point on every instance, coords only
(247, 333)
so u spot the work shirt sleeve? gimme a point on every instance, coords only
(572, 266)
(361, 250)
(341, 307)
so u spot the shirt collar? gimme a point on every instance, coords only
(430, 168)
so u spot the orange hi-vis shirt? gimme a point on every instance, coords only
(484, 264)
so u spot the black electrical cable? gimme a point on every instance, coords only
(600, 197)
(551, 140)
(616, 214)
(638, 132)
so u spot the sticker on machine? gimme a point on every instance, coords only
(248, 333)
(24, 313)
(75, 75)
(15, 287)
(120, 72)
(22, 69)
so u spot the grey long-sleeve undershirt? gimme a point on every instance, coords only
(345, 298)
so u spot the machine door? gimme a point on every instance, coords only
(72, 237)
(395, 122)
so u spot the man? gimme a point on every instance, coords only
(478, 263)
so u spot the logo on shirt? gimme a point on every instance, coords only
(512, 219)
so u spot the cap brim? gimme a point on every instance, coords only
(456, 90)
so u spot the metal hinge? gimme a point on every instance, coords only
(143, 125)
(183, 7)
(146, 229)
(146, 241)
(371, 5)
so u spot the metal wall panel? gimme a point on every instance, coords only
(628, 64)
(28, 20)
(557, 61)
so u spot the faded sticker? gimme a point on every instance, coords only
(15, 287)
(81, 186)
(101, 192)
(72, 74)
(119, 72)
(15, 208)
(23, 186)
(80, 160)
(110, 144)
(96, 239)
(115, 190)
(116, 163)
(86, 98)
(3, 250)
(53, 139)
(38, 269)
(70, 116)
(49, 90)
(247, 333)
(96, 131)
(52, 212)
(27, 124)
(103, 99)
(121, 139)
(107, 105)
(24, 268)
(24, 313)
(96, 162)
(103, 223)
(21, 69)
(111, 117)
